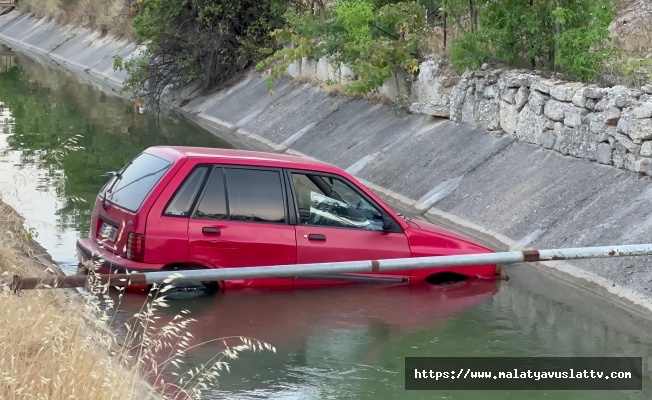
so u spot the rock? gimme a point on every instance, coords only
(594, 93)
(468, 110)
(548, 139)
(604, 154)
(536, 102)
(508, 117)
(646, 89)
(577, 142)
(492, 77)
(623, 96)
(520, 100)
(489, 115)
(325, 71)
(646, 149)
(642, 111)
(431, 108)
(557, 126)
(633, 127)
(515, 80)
(555, 110)
(480, 84)
(484, 67)
(347, 75)
(618, 160)
(590, 104)
(611, 116)
(562, 93)
(531, 127)
(607, 135)
(540, 86)
(458, 95)
(636, 163)
(627, 143)
(612, 142)
(490, 92)
(508, 94)
(430, 87)
(573, 116)
(578, 99)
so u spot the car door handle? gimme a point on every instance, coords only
(315, 236)
(208, 229)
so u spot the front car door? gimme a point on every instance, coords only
(241, 220)
(338, 222)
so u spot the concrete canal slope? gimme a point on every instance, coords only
(516, 194)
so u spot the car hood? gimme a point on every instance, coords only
(438, 230)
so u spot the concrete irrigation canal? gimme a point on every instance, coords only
(332, 343)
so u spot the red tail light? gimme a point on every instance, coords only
(136, 247)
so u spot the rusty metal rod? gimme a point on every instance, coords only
(298, 270)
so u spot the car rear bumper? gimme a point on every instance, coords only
(92, 256)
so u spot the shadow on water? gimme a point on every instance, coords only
(344, 343)
(43, 108)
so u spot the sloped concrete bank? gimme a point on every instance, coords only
(516, 194)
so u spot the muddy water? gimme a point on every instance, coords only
(347, 343)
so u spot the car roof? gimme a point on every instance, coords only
(255, 158)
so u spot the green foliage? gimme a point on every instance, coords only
(470, 51)
(569, 34)
(205, 43)
(372, 37)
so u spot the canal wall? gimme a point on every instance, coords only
(517, 194)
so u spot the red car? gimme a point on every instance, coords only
(186, 207)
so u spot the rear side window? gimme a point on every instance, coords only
(182, 201)
(135, 181)
(213, 203)
(255, 195)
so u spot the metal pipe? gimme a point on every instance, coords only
(332, 268)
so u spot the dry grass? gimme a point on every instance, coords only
(48, 348)
(106, 16)
(433, 39)
(56, 344)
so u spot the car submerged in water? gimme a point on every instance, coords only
(178, 208)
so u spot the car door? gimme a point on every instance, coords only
(241, 220)
(337, 222)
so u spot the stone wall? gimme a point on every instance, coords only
(611, 126)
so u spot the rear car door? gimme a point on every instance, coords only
(338, 222)
(241, 220)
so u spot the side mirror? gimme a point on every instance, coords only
(387, 223)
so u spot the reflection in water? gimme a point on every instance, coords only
(42, 176)
(351, 342)
(8, 58)
(345, 343)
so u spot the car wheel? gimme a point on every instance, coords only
(209, 287)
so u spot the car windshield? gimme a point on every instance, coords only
(131, 186)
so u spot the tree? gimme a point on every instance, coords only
(203, 43)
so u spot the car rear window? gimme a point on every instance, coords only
(135, 181)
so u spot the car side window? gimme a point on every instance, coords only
(255, 195)
(182, 201)
(328, 201)
(212, 204)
